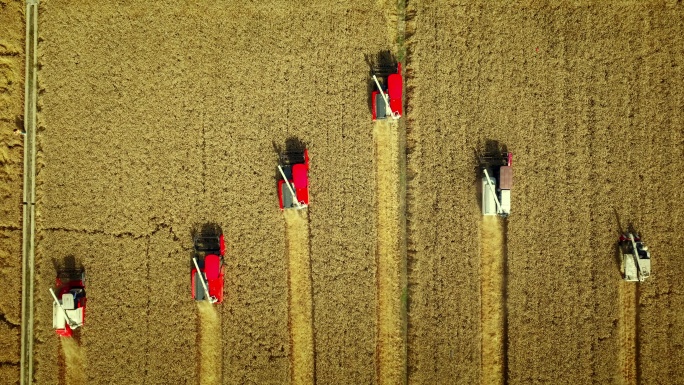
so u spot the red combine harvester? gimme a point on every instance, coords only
(293, 188)
(208, 271)
(387, 98)
(69, 302)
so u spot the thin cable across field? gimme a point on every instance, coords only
(300, 298)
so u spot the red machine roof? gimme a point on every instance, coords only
(299, 176)
(394, 86)
(212, 266)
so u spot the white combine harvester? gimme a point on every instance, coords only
(497, 180)
(636, 259)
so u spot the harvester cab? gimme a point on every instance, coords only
(386, 100)
(69, 302)
(636, 258)
(293, 185)
(208, 270)
(497, 180)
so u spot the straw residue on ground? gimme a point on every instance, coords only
(391, 268)
(628, 333)
(74, 362)
(301, 311)
(209, 344)
(492, 261)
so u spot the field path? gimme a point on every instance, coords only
(492, 269)
(28, 226)
(301, 307)
(391, 267)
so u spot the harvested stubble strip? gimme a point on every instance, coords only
(74, 361)
(492, 299)
(210, 344)
(627, 330)
(301, 307)
(391, 269)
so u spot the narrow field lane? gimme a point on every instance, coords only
(301, 309)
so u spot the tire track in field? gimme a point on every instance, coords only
(390, 352)
(300, 297)
(209, 344)
(74, 361)
(628, 294)
(492, 260)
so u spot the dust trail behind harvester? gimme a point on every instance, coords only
(492, 267)
(74, 358)
(391, 262)
(210, 343)
(300, 298)
(627, 333)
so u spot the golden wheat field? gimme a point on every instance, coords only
(11, 165)
(156, 118)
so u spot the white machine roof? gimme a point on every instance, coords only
(75, 314)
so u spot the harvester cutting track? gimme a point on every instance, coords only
(636, 258)
(69, 302)
(208, 269)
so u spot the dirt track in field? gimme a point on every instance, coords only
(589, 100)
